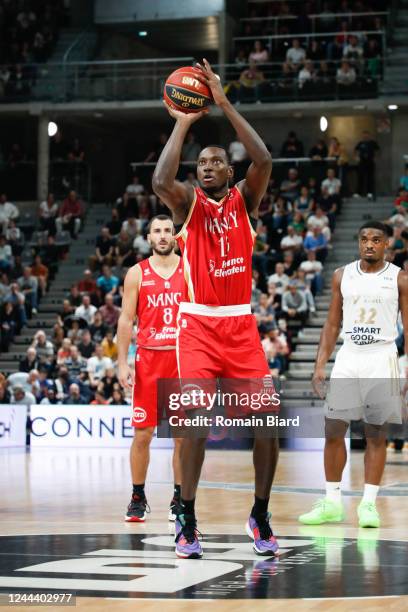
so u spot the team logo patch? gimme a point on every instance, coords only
(139, 415)
(166, 285)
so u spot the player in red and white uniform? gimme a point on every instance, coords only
(218, 335)
(153, 290)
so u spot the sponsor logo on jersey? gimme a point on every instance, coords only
(139, 415)
(152, 332)
(212, 266)
(146, 271)
(149, 283)
(228, 267)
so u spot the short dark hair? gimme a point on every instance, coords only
(378, 225)
(159, 218)
(216, 146)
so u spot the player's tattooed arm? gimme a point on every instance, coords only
(254, 186)
(176, 196)
(329, 334)
(125, 325)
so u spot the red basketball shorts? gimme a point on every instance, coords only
(223, 347)
(151, 365)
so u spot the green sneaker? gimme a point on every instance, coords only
(368, 515)
(324, 511)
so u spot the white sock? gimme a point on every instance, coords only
(370, 493)
(333, 491)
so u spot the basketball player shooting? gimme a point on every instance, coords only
(153, 290)
(217, 334)
(366, 295)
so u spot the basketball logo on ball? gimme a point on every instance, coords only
(185, 92)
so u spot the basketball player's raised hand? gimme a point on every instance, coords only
(186, 118)
(319, 382)
(126, 376)
(213, 81)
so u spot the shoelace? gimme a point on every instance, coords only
(189, 529)
(265, 530)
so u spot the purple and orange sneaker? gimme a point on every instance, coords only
(259, 530)
(187, 544)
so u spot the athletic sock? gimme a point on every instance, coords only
(138, 489)
(188, 506)
(333, 491)
(260, 506)
(177, 491)
(370, 493)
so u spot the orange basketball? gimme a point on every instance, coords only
(184, 92)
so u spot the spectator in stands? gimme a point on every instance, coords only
(87, 284)
(87, 310)
(366, 150)
(6, 255)
(319, 150)
(75, 297)
(279, 278)
(191, 148)
(47, 212)
(7, 211)
(41, 273)
(258, 55)
(115, 224)
(9, 322)
(292, 147)
(124, 254)
(264, 314)
(118, 398)
(346, 75)
(76, 364)
(260, 254)
(76, 152)
(314, 52)
(99, 399)
(317, 243)
(290, 187)
(70, 214)
(4, 394)
(74, 396)
(401, 201)
(255, 293)
(30, 361)
(62, 383)
(332, 183)
(44, 348)
(98, 328)
(64, 351)
(319, 219)
(50, 254)
(131, 227)
(304, 203)
(109, 312)
(58, 334)
(128, 205)
(105, 250)
(354, 53)
(295, 54)
(86, 347)
(17, 298)
(109, 346)
(292, 241)
(274, 298)
(289, 262)
(66, 311)
(294, 304)
(402, 256)
(97, 366)
(250, 78)
(110, 382)
(306, 74)
(14, 237)
(19, 396)
(141, 245)
(28, 285)
(329, 204)
(107, 282)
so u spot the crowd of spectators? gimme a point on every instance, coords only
(309, 65)
(28, 32)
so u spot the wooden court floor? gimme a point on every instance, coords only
(62, 527)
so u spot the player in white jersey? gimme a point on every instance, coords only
(366, 295)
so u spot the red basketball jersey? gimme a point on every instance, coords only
(158, 304)
(216, 242)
